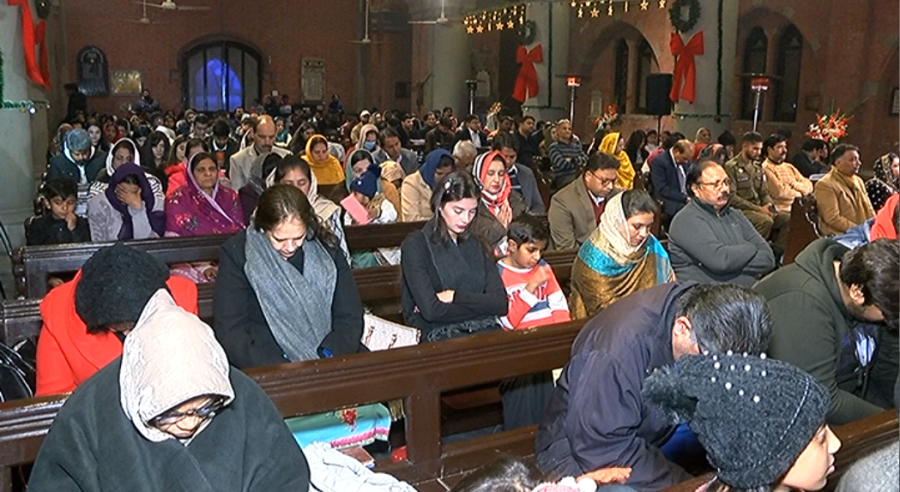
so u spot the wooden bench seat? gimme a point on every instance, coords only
(33, 265)
(379, 289)
(418, 375)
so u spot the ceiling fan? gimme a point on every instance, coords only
(366, 39)
(440, 21)
(145, 20)
(170, 5)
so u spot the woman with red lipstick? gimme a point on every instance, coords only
(451, 286)
(761, 421)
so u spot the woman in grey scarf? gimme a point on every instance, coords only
(284, 291)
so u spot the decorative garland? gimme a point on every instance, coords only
(528, 31)
(682, 25)
(22, 106)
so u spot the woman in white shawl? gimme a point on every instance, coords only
(170, 414)
(124, 151)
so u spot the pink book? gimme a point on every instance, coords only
(356, 210)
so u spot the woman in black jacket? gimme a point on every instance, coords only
(451, 285)
(284, 292)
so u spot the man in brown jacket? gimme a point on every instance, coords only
(841, 196)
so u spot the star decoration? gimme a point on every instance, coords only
(595, 12)
(470, 30)
(499, 26)
(580, 13)
(510, 24)
(644, 4)
(626, 6)
(662, 4)
(609, 11)
(480, 29)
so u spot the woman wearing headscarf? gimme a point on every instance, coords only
(886, 181)
(127, 208)
(415, 194)
(326, 167)
(614, 145)
(57, 143)
(498, 206)
(391, 180)
(203, 206)
(295, 172)
(171, 415)
(124, 151)
(284, 291)
(620, 257)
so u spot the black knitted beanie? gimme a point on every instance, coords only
(116, 283)
(753, 415)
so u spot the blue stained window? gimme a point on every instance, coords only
(221, 75)
(216, 86)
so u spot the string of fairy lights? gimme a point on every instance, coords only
(513, 16)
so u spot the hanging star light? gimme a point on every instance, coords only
(644, 4)
(662, 4)
(499, 26)
(609, 11)
(595, 12)
(470, 30)
(510, 24)
(480, 29)
(626, 6)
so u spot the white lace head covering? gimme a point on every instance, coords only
(170, 357)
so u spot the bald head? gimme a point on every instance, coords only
(264, 134)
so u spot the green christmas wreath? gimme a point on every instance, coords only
(527, 32)
(681, 24)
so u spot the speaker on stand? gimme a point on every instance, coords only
(659, 85)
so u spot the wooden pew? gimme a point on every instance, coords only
(379, 289)
(858, 439)
(33, 265)
(418, 375)
(803, 227)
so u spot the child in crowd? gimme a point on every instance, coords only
(58, 224)
(535, 298)
(373, 208)
(761, 421)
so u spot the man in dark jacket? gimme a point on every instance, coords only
(812, 158)
(668, 171)
(596, 418)
(829, 310)
(709, 241)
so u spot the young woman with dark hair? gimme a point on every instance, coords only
(284, 291)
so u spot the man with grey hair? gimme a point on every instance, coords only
(263, 144)
(80, 162)
(596, 417)
(464, 153)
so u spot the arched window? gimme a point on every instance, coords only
(645, 67)
(620, 93)
(754, 62)
(220, 75)
(787, 87)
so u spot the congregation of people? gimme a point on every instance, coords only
(697, 334)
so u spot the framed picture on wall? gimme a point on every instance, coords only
(895, 102)
(126, 82)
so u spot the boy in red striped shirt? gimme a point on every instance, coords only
(535, 298)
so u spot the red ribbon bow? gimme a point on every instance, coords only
(32, 36)
(684, 66)
(527, 81)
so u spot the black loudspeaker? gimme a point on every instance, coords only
(659, 85)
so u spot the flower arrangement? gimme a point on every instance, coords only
(829, 127)
(608, 118)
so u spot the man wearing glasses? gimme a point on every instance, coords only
(710, 241)
(575, 210)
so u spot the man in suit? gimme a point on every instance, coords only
(263, 143)
(471, 130)
(521, 176)
(575, 210)
(391, 150)
(668, 172)
(812, 157)
(841, 195)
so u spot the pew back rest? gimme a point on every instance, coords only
(418, 375)
(33, 265)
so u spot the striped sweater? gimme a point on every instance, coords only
(546, 306)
